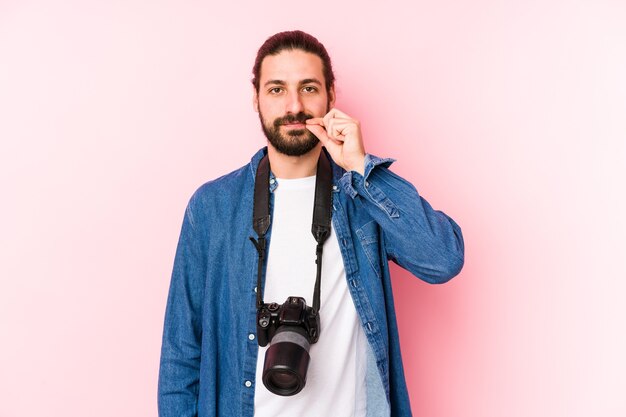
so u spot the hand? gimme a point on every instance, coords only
(341, 135)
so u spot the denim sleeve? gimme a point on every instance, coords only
(424, 241)
(182, 334)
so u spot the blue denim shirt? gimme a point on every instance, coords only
(209, 351)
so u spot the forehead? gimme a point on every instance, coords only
(291, 66)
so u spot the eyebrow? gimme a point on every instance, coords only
(305, 81)
(310, 81)
(279, 82)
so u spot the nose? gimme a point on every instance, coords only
(294, 103)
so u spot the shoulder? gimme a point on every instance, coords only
(229, 186)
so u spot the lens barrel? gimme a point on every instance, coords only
(287, 361)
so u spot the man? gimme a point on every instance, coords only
(211, 362)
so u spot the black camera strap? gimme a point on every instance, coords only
(320, 226)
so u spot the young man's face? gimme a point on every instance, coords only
(291, 90)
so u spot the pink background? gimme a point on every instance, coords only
(507, 115)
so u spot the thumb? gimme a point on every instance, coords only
(333, 148)
(320, 132)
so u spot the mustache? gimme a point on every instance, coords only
(300, 117)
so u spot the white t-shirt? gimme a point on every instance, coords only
(335, 384)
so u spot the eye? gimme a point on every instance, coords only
(275, 90)
(309, 89)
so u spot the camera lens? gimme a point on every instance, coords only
(283, 379)
(287, 361)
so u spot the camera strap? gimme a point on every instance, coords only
(320, 225)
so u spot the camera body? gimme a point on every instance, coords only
(293, 313)
(290, 329)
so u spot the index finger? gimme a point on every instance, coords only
(315, 121)
(335, 113)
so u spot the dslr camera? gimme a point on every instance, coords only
(290, 329)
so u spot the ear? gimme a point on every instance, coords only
(331, 96)
(255, 99)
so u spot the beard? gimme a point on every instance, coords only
(294, 142)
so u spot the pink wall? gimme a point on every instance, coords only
(509, 116)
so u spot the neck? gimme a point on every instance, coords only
(289, 167)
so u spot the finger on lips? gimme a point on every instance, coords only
(315, 121)
(318, 131)
(334, 125)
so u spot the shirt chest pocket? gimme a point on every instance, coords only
(369, 236)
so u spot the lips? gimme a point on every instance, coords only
(293, 120)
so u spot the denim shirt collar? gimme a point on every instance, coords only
(338, 172)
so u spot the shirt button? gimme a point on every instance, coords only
(272, 180)
(367, 184)
(251, 336)
(248, 384)
(254, 289)
(335, 188)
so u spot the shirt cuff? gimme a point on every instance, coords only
(352, 181)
